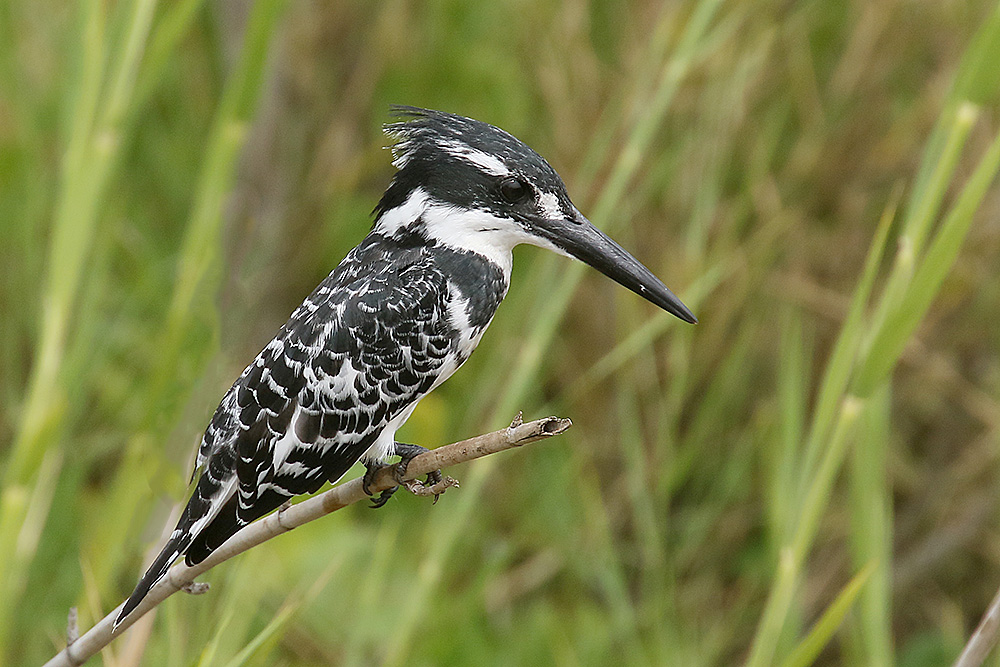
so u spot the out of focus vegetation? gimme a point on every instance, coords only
(810, 474)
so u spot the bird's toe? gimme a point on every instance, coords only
(383, 498)
(371, 469)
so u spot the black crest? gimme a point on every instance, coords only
(428, 151)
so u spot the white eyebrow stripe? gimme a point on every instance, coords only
(488, 163)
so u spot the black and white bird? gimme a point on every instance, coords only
(393, 321)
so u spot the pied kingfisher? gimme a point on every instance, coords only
(393, 321)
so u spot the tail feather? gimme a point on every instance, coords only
(230, 519)
(228, 522)
(211, 517)
(201, 508)
(174, 547)
(211, 537)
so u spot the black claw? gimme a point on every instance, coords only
(383, 498)
(371, 469)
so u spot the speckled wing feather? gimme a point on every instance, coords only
(366, 345)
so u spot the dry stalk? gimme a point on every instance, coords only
(983, 639)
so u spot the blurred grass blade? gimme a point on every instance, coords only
(978, 77)
(210, 650)
(200, 247)
(94, 146)
(837, 374)
(870, 495)
(977, 80)
(96, 126)
(169, 30)
(644, 335)
(813, 643)
(927, 201)
(890, 339)
(792, 395)
(35, 510)
(374, 592)
(793, 556)
(924, 207)
(67, 250)
(276, 623)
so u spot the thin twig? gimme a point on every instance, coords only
(181, 577)
(983, 639)
(72, 629)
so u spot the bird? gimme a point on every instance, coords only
(395, 319)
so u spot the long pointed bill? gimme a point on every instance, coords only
(581, 239)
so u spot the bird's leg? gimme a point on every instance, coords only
(406, 453)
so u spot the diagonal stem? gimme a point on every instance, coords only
(983, 639)
(181, 577)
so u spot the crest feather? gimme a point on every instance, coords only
(417, 127)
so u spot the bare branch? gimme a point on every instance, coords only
(983, 639)
(181, 577)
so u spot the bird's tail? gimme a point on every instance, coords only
(175, 546)
(208, 497)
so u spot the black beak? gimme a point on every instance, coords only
(581, 239)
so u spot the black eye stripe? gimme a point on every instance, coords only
(514, 190)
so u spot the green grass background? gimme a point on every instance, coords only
(809, 475)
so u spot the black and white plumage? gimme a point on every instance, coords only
(394, 320)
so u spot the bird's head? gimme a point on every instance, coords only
(471, 186)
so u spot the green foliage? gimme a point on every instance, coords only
(809, 475)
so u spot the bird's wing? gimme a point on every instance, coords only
(352, 358)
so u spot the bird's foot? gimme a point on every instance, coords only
(418, 488)
(371, 470)
(435, 485)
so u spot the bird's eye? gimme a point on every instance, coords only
(514, 190)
